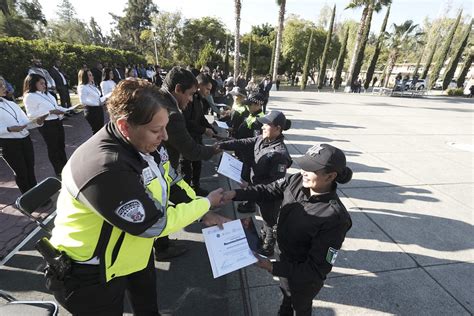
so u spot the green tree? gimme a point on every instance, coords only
(238, 7)
(95, 34)
(465, 69)
(453, 63)
(429, 60)
(369, 6)
(21, 18)
(281, 21)
(68, 28)
(444, 52)
(398, 40)
(322, 70)
(340, 60)
(378, 48)
(304, 78)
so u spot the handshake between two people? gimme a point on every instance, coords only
(217, 198)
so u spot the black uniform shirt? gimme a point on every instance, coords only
(270, 159)
(311, 229)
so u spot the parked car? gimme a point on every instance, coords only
(439, 84)
(419, 85)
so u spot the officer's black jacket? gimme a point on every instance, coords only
(236, 119)
(243, 131)
(307, 227)
(270, 158)
(196, 122)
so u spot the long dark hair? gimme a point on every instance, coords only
(83, 77)
(29, 85)
(106, 74)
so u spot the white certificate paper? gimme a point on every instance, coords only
(227, 248)
(230, 167)
(222, 124)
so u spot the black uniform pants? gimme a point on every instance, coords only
(53, 135)
(298, 299)
(95, 117)
(191, 171)
(20, 156)
(84, 294)
(64, 96)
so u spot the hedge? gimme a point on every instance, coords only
(16, 54)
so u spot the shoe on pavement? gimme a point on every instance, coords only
(171, 252)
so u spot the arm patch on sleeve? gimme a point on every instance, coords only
(132, 211)
(331, 255)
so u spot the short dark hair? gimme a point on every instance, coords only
(204, 78)
(83, 77)
(136, 99)
(29, 85)
(178, 75)
(106, 74)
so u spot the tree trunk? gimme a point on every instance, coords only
(340, 61)
(365, 38)
(248, 75)
(418, 62)
(270, 71)
(430, 58)
(226, 56)
(392, 59)
(238, 6)
(453, 63)
(444, 53)
(358, 42)
(322, 72)
(378, 48)
(465, 70)
(281, 21)
(304, 79)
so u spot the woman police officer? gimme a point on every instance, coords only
(114, 203)
(311, 227)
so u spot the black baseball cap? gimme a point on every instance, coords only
(257, 98)
(275, 118)
(321, 156)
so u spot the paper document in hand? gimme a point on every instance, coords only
(74, 107)
(227, 248)
(34, 119)
(222, 105)
(230, 167)
(222, 124)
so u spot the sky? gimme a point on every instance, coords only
(256, 12)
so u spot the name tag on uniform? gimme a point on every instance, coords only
(148, 175)
(331, 255)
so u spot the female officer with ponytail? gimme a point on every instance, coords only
(312, 224)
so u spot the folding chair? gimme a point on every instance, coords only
(37, 196)
(27, 203)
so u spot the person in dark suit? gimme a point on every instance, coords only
(264, 88)
(61, 84)
(118, 73)
(97, 73)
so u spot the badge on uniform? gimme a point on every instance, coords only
(331, 255)
(132, 211)
(164, 155)
(281, 168)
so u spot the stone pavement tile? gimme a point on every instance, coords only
(431, 227)
(457, 279)
(438, 144)
(462, 193)
(425, 167)
(404, 292)
(465, 160)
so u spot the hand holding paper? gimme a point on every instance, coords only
(230, 167)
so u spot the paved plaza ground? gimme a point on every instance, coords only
(411, 248)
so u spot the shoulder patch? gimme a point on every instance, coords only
(164, 155)
(132, 211)
(331, 255)
(281, 168)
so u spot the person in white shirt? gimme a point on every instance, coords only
(15, 141)
(90, 98)
(39, 102)
(107, 84)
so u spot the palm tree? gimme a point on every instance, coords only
(238, 7)
(362, 34)
(322, 69)
(378, 48)
(281, 20)
(398, 40)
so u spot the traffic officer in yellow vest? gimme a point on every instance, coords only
(116, 198)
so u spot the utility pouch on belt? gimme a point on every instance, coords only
(59, 264)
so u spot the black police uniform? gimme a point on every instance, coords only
(270, 162)
(311, 230)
